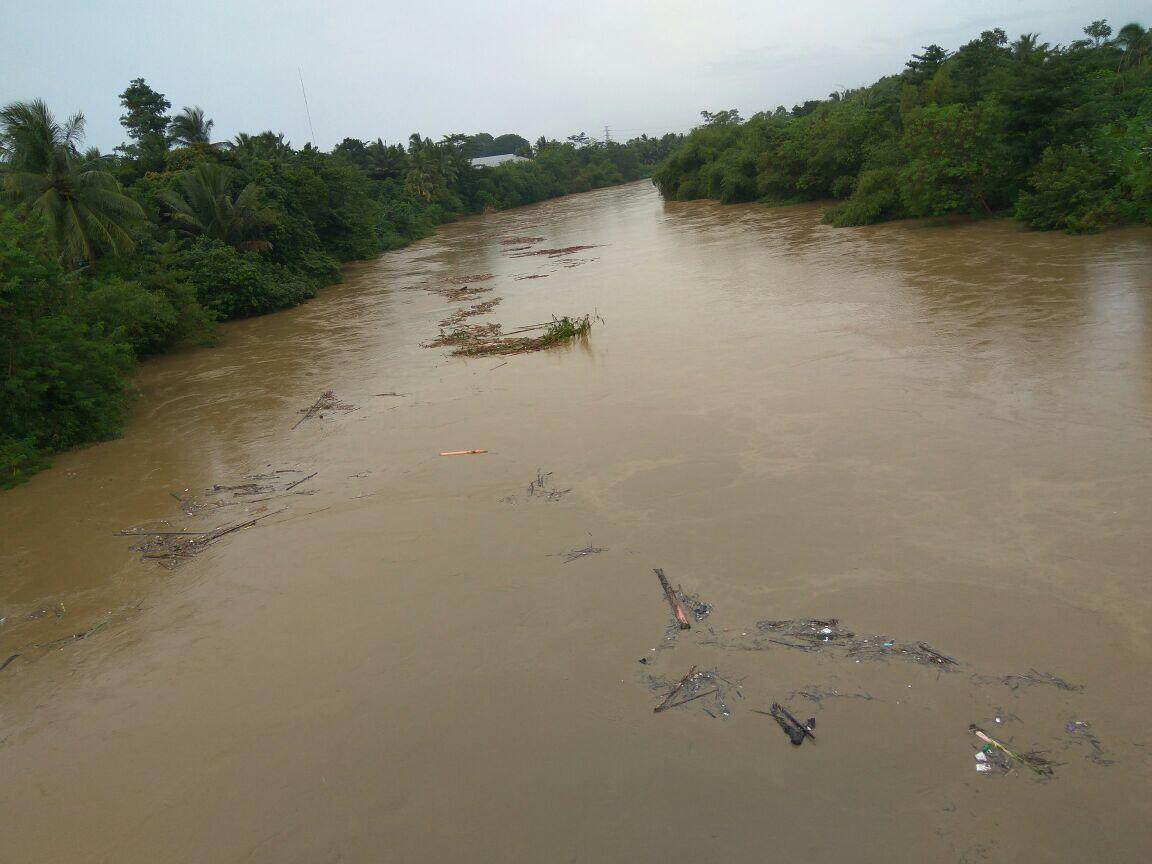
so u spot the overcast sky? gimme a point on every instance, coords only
(378, 68)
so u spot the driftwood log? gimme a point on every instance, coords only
(677, 609)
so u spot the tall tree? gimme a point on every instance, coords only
(923, 66)
(145, 111)
(190, 126)
(82, 205)
(1099, 31)
(1137, 44)
(424, 160)
(727, 117)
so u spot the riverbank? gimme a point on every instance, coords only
(1055, 135)
(175, 240)
(937, 434)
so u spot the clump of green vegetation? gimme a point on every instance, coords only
(489, 340)
(1057, 136)
(565, 329)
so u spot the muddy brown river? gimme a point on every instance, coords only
(935, 433)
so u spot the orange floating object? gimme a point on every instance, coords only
(461, 452)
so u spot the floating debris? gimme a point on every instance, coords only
(9, 661)
(1028, 679)
(193, 506)
(817, 634)
(488, 340)
(1081, 730)
(991, 760)
(697, 684)
(296, 483)
(542, 488)
(329, 402)
(174, 548)
(1035, 762)
(539, 488)
(457, 295)
(465, 335)
(817, 694)
(879, 648)
(569, 263)
(268, 485)
(1001, 717)
(692, 602)
(59, 610)
(663, 706)
(461, 315)
(673, 600)
(573, 554)
(467, 280)
(744, 642)
(531, 276)
(809, 629)
(462, 452)
(555, 253)
(793, 728)
(101, 625)
(76, 637)
(520, 241)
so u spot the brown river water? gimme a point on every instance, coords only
(931, 432)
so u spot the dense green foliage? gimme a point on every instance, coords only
(105, 259)
(1061, 137)
(484, 144)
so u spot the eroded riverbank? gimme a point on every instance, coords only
(939, 434)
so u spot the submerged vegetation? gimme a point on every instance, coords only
(1059, 136)
(106, 258)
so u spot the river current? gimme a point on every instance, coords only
(933, 433)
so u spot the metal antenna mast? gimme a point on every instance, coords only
(307, 110)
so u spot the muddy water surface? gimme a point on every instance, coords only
(934, 433)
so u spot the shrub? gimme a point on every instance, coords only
(19, 460)
(128, 313)
(875, 198)
(237, 284)
(1070, 189)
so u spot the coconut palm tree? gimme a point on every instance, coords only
(204, 204)
(189, 127)
(1029, 46)
(81, 204)
(266, 145)
(423, 172)
(388, 161)
(1137, 44)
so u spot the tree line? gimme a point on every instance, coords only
(1058, 136)
(107, 258)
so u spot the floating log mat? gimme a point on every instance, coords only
(172, 548)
